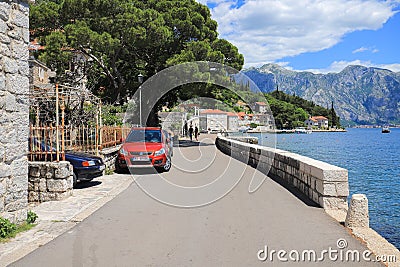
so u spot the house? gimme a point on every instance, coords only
(260, 107)
(213, 119)
(218, 120)
(39, 75)
(319, 122)
(233, 121)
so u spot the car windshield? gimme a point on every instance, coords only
(152, 136)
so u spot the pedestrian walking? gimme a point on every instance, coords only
(191, 132)
(196, 132)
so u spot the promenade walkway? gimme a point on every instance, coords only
(133, 229)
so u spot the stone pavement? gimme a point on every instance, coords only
(57, 217)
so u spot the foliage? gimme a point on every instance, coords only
(291, 111)
(10, 230)
(6, 228)
(112, 115)
(122, 38)
(31, 217)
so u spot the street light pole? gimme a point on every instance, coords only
(140, 80)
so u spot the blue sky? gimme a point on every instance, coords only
(316, 35)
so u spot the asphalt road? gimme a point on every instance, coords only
(135, 229)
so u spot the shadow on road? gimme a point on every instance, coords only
(188, 143)
(83, 185)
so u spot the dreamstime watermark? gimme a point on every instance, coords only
(228, 175)
(340, 253)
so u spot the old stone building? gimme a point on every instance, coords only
(14, 108)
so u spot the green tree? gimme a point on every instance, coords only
(122, 38)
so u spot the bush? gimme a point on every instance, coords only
(7, 228)
(31, 218)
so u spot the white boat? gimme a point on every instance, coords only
(385, 129)
(302, 131)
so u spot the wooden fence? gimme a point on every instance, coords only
(49, 142)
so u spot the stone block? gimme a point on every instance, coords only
(19, 51)
(5, 170)
(34, 171)
(19, 18)
(4, 39)
(33, 197)
(58, 185)
(342, 189)
(62, 171)
(42, 185)
(47, 196)
(333, 203)
(1, 204)
(4, 11)
(3, 26)
(16, 205)
(357, 215)
(20, 167)
(335, 175)
(17, 84)
(64, 195)
(10, 65)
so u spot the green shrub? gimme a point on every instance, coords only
(7, 228)
(31, 218)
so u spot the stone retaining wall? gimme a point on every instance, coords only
(109, 156)
(49, 181)
(325, 184)
(14, 109)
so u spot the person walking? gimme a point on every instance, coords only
(191, 132)
(196, 132)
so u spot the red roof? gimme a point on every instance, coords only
(261, 103)
(212, 111)
(318, 118)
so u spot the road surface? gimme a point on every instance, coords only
(134, 229)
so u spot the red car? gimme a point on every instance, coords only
(145, 146)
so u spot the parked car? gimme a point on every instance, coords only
(86, 166)
(145, 147)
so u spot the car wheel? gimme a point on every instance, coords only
(167, 165)
(74, 179)
(117, 167)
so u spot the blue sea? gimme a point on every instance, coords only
(373, 162)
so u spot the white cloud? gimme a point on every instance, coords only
(268, 30)
(338, 66)
(364, 49)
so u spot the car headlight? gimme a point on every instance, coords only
(159, 152)
(123, 152)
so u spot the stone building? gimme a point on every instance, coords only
(14, 108)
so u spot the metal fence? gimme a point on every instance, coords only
(49, 142)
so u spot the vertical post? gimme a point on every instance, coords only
(62, 129)
(101, 126)
(140, 105)
(96, 142)
(57, 126)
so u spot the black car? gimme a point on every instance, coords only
(86, 166)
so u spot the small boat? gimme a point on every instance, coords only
(302, 131)
(385, 129)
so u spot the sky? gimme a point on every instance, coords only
(312, 35)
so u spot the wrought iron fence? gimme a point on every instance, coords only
(49, 142)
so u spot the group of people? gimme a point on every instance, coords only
(191, 131)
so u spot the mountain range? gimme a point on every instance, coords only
(361, 95)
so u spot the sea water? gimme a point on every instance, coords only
(373, 161)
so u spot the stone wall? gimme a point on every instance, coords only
(325, 184)
(109, 156)
(14, 109)
(50, 181)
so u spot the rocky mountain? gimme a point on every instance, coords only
(360, 94)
